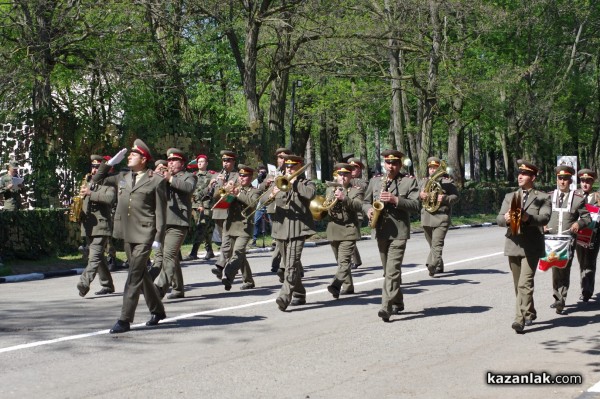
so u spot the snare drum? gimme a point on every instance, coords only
(558, 251)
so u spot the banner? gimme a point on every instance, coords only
(557, 252)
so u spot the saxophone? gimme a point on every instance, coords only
(433, 189)
(77, 204)
(378, 205)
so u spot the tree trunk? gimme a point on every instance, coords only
(454, 129)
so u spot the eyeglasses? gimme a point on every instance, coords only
(564, 177)
(392, 162)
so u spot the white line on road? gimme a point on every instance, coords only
(218, 310)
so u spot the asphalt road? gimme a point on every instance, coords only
(215, 344)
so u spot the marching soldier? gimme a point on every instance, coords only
(226, 180)
(587, 256)
(358, 181)
(292, 225)
(180, 186)
(436, 224)
(237, 230)
(201, 207)
(12, 191)
(96, 227)
(343, 228)
(399, 196)
(140, 221)
(525, 249)
(569, 215)
(160, 167)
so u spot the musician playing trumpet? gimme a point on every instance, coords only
(399, 195)
(343, 228)
(525, 248)
(436, 223)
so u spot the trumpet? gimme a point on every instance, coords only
(282, 183)
(320, 205)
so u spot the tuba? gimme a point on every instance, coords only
(433, 189)
(515, 213)
(320, 205)
(77, 205)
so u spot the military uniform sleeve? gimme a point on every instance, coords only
(186, 183)
(503, 209)
(306, 189)
(368, 197)
(104, 195)
(450, 194)
(354, 199)
(584, 215)
(545, 211)
(411, 202)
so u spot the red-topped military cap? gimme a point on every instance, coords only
(587, 174)
(343, 167)
(356, 162)
(392, 155)
(176, 153)
(141, 148)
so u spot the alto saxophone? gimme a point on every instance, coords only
(378, 205)
(77, 204)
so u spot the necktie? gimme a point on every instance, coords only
(133, 178)
(560, 200)
(525, 195)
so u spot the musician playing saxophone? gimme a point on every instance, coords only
(343, 228)
(400, 197)
(526, 248)
(436, 224)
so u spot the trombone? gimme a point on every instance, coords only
(282, 183)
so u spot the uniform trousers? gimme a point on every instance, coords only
(435, 238)
(523, 271)
(343, 251)
(203, 232)
(561, 278)
(587, 266)
(225, 245)
(291, 252)
(170, 274)
(97, 263)
(138, 282)
(237, 260)
(356, 259)
(391, 253)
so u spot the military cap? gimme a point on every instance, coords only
(346, 156)
(282, 150)
(244, 170)
(227, 154)
(293, 159)
(201, 156)
(434, 161)
(392, 155)
(356, 162)
(343, 167)
(141, 148)
(261, 166)
(160, 162)
(176, 153)
(587, 174)
(13, 164)
(96, 159)
(527, 167)
(564, 170)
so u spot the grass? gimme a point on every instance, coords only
(73, 261)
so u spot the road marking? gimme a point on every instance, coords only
(218, 310)
(595, 388)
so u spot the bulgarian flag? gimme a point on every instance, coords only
(224, 202)
(557, 252)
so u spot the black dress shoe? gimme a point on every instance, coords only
(120, 327)
(217, 271)
(396, 309)
(281, 303)
(298, 301)
(105, 291)
(281, 275)
(385, 316)
(354, 265)
(209, 255)
(334, 291)
(190, 257)
(518, 327)
(83, 290)
(226, 283)
(431, 269)
(247, 286)
(439, 270)
(175, 296)
(528, 322)
(347, 291)
(555, 304)
(155, 318)
(585, 296)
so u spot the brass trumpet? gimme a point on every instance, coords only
(77, 205)
(223, 192)
(319, 206)
(282, 183)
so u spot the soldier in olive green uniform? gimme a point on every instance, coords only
(201, 211)
(343, 227)
(12, 192)
(160, 167)
(180, 186)
(399, 195)
(587, 256)
(292, 225)
(569, 215)
(435, 224)
(525, 249)
(140, 221)
(238, 230)
(96, 227)
(358, 181)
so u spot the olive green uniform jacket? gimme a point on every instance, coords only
(343, 217)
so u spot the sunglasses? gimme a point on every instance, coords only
(392, 162)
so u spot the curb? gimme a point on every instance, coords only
(17, 278)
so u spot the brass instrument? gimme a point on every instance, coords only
(77, 205)
(433, 189)
(319, 206)
(378, 206)
(515, 213)
(223, 192)
(282, 183)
